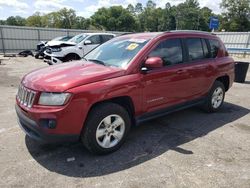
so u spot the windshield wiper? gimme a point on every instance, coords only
(96, 61)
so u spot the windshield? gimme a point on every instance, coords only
(57, 39)
(116, 52)
(78, 38)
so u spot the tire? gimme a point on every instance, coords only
(99, 135)
(215, 98)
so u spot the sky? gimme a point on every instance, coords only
(83, 8)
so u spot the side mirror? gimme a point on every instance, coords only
(152, 63)
(87, 42)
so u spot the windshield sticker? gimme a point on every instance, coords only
(132, 46)
(137, 40)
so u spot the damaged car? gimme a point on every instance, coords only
(42, 45)
(75, 48)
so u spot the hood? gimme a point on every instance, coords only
(59, 78)
(60, 43)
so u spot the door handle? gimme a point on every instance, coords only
(180, 71)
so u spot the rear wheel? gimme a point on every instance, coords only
(106, 128)
(215, 97)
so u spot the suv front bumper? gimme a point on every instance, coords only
(34, 131)
(52, 60)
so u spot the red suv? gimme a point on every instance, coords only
(123, 82)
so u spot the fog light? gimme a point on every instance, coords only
(48, 123)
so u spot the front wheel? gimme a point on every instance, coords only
(106, 128)
(215, 97)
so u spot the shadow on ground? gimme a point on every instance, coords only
(144, 143)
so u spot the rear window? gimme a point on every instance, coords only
(195, 49)
(214, 45)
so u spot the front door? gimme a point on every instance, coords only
(95, 41)
(168, 85)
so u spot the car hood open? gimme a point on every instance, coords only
(59, 78)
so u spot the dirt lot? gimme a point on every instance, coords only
(189, 148)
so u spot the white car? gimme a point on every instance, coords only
(75, 48)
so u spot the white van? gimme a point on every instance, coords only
(75, 48)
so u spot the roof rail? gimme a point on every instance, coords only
(189, 31)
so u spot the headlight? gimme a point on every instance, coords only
(56, 49)
(53, 99)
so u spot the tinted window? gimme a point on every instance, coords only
(214, 45)
(95, 39)
(106, 37)
(195, 50)
(170, 51)
(205, 49)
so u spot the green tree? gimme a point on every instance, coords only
(131, 9)
(115, 18)
(81, 23)
(236, 15)
(167, 19)
(187, 15)
(15, 20)
(2, 22)
(205, 13)
(138, 8)
(51, 20)
(151, 4)
(67, 18)
(35, 20)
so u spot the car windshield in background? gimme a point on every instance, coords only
(66, 38)
(117, 52)
(57, 39)
(78, 38)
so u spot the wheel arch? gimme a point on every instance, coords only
(225, 81)
(72, 55)
(124, 101)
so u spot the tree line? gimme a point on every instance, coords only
(188, 15)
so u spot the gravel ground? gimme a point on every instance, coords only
(189, 148)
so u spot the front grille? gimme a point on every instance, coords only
(25, 96)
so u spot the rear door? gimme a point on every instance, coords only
(200, 67)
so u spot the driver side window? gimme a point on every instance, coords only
(95, 39)
(170, 51)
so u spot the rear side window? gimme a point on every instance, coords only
(170, 51)
(105, 38)
(214, 45)
(195, 49)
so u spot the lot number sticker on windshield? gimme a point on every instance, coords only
(132, 46)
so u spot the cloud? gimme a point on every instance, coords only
(46, 6)
(213, 5)
(91, 9)
(14, 4)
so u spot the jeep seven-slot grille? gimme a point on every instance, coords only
(25, 96)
